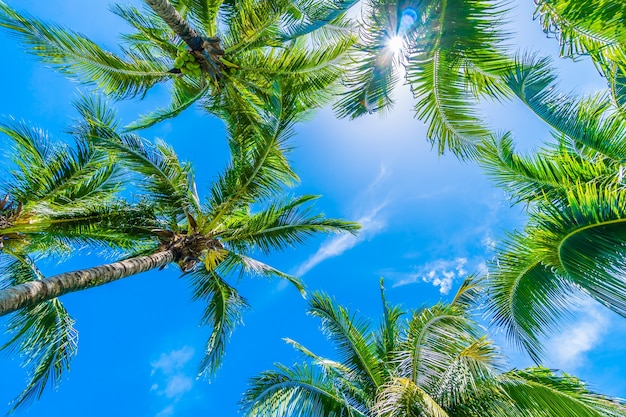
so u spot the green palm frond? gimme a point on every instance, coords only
(245, 264)
(42, 335)
(546, 174)
(527, 298)
(574, 243)
(224, 307)
(306, 17)
(352, 339)
(590, 122)
(78, 57)
(472, 367)
(590, 28)
(257, 170)
(297, 391)
(582, 241)
(185, 92)
(169, 182)
(402, 397)
(283, 223)
(538, 391)
(434, 337)
(388, 334)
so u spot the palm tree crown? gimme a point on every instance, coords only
(436, 363)
(241, 54)
(245, 214)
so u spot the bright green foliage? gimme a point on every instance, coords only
(58, 199)
(261, 48)
(574, 239)
(245, 213)
(450, 54)
(594, 28)
(436, 363)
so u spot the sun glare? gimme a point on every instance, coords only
(395, 44)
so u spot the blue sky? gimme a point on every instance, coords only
(427, 221)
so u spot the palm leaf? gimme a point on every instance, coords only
(77, 56)
(539, 391)
(222, 314)
(43, 335)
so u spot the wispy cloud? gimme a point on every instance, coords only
(568, 350)
(371, 224)
(171, 382)
(440, 273)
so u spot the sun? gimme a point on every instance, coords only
(395, 44)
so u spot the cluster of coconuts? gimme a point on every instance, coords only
(187, 63)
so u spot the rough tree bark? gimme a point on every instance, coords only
(34, 292)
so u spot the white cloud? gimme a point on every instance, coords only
(172, 362)
(171, 381)
(441, 273)
(568, 349)
(166, 412)
(371, 224)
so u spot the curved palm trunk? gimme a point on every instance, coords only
(34, 292)
(175, 21)
(208, 50)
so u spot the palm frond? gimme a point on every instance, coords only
(245, 264)
(77, 56)
(283, 223)
(526, 297)
(434, 337)
(298, 391)
(355, 346)
(590, 122)
(540, 391)
(403, 397)
(42, 335)
(224, 307)
(185, 92)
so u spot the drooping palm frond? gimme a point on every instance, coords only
(546, 174)
(223, 311)
(535, 390)
(77, 56)
(296, 391)
(590, 28)
(592, 123)
(526, 297)
(43, 335)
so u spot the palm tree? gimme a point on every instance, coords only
(245, 213)
(585, 27)
(573, 242)
(241, 56)
(57, 199)
(436, 363)
(449, 52)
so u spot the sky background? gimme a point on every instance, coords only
(427, 221)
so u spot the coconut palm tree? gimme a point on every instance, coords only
(437, 362)
(244, 214)
(592, 28)
(449, 52)
(57, 199)
(231, 56)
(573, 242)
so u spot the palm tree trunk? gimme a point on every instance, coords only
(175, 21)
(34, 292)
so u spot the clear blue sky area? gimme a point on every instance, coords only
(427, 221)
